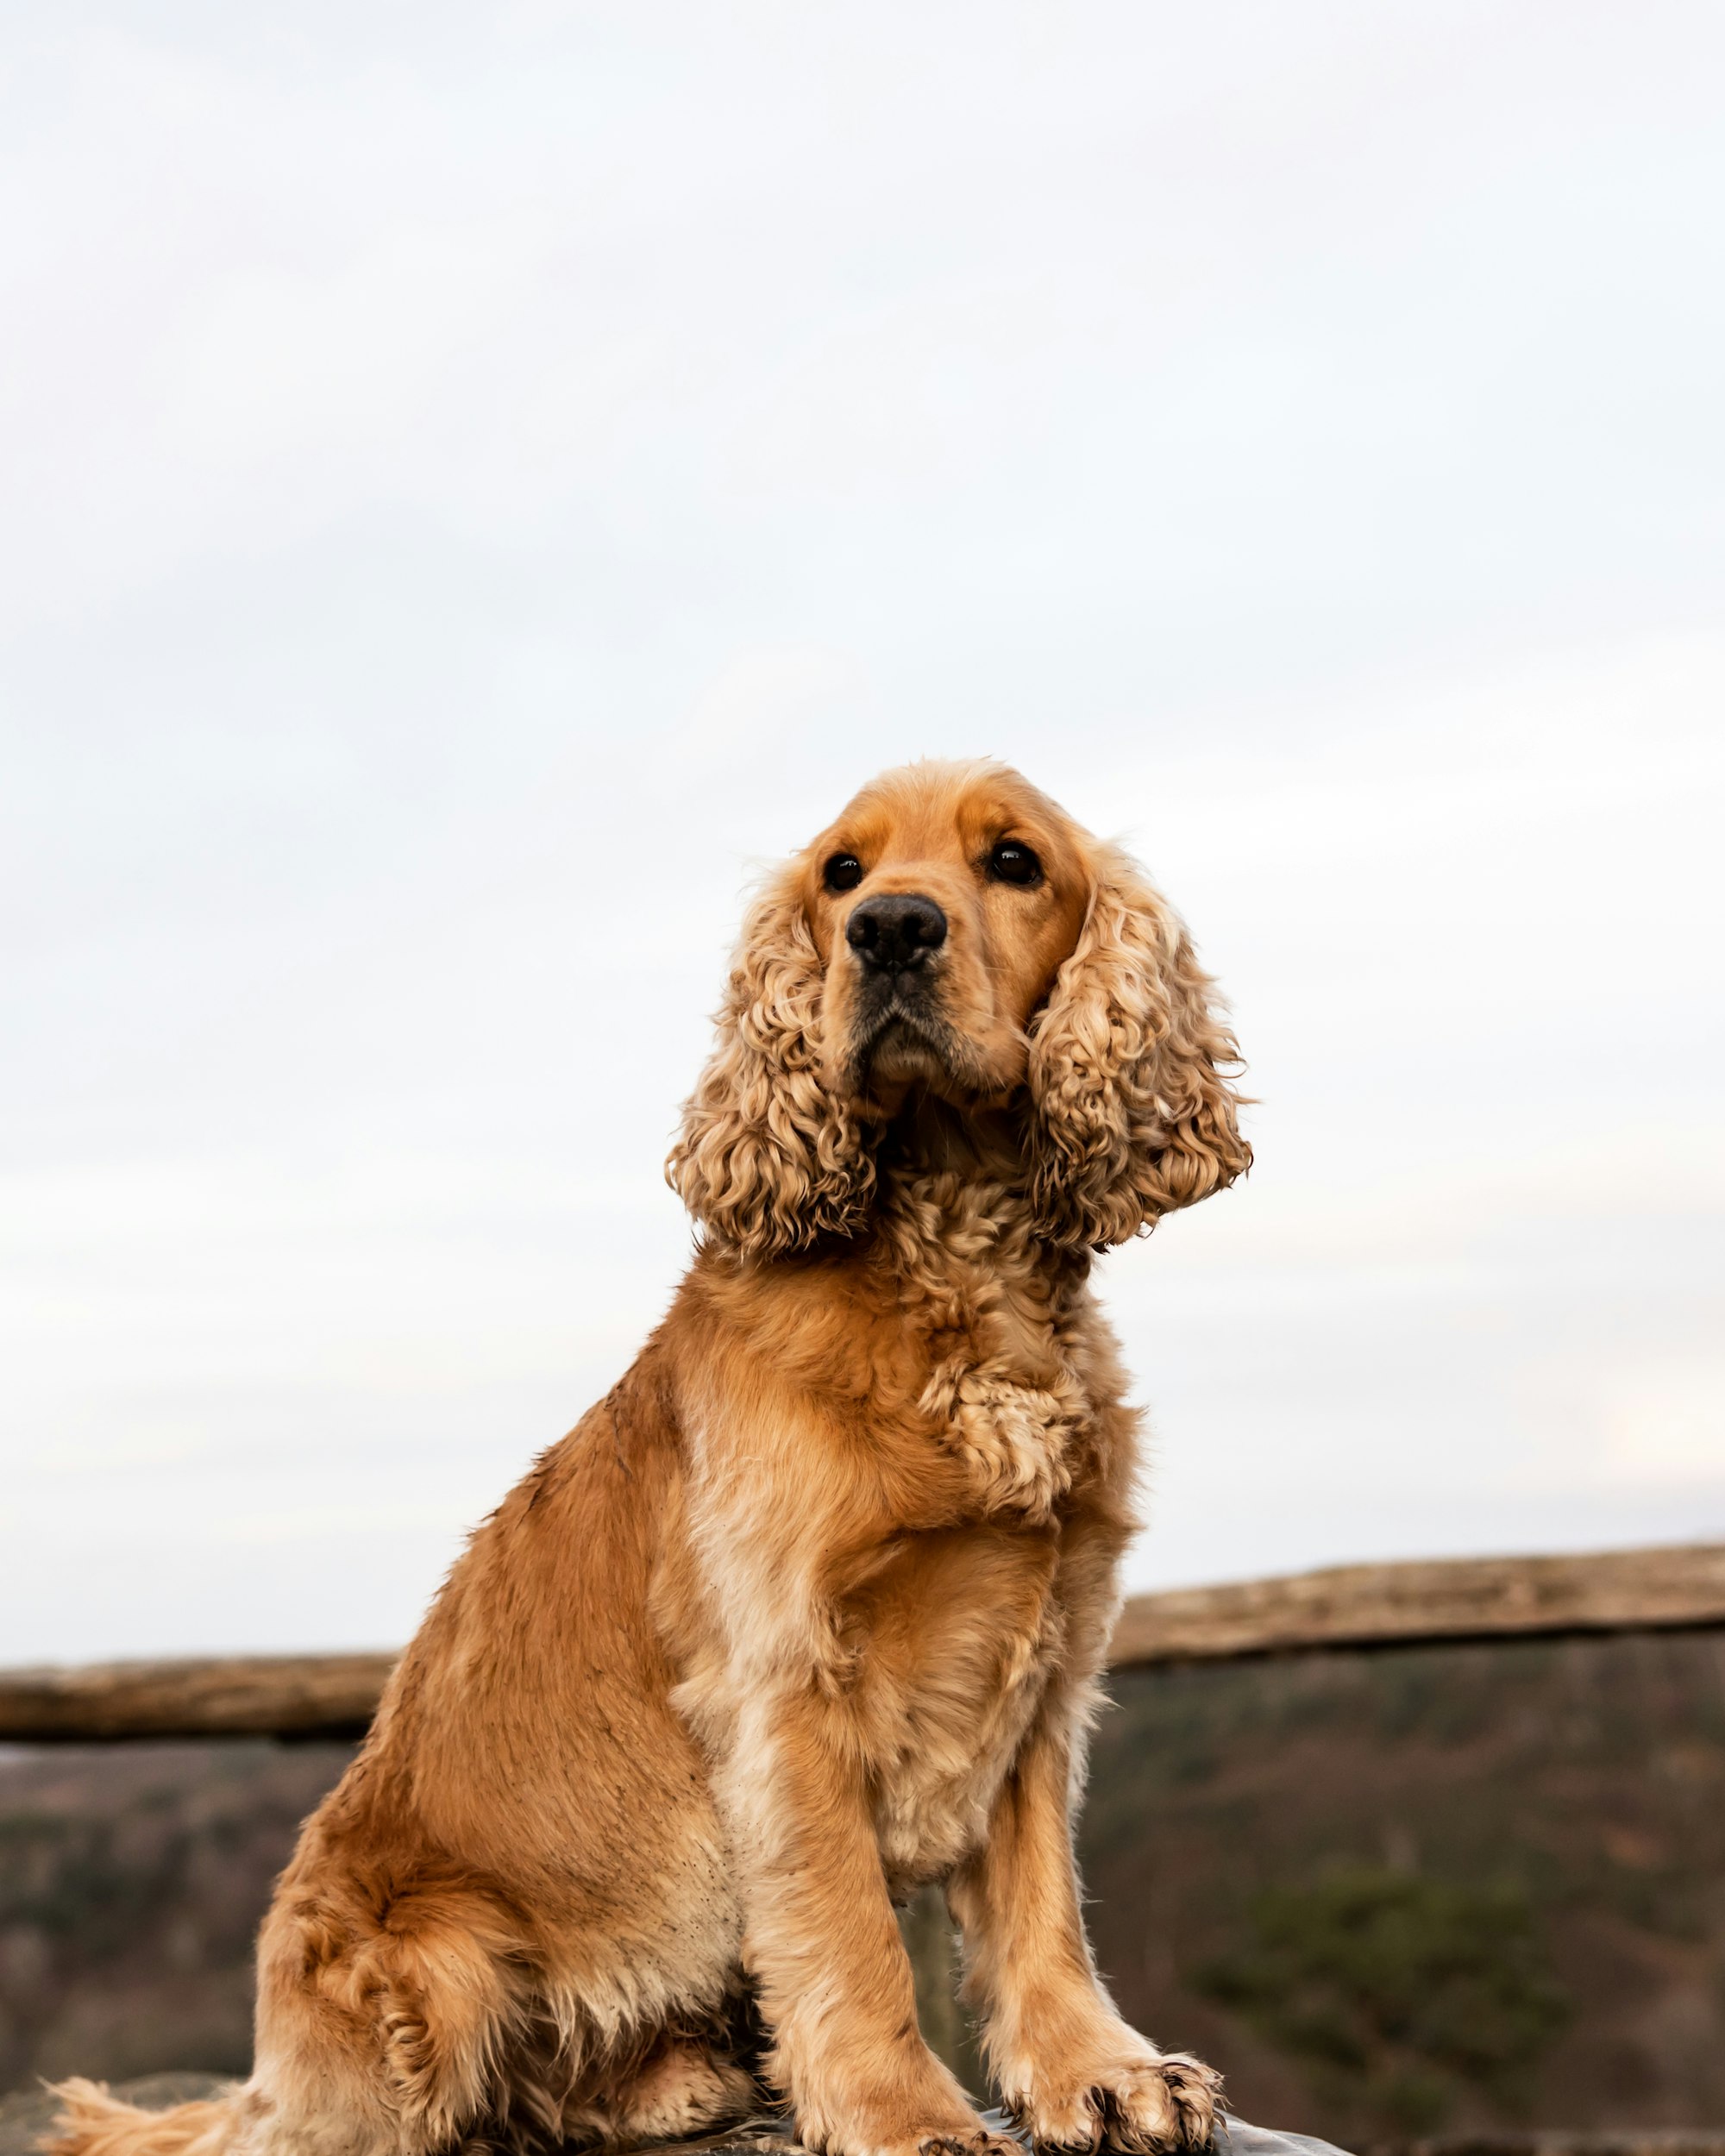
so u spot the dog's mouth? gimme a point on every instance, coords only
(900, 1039)
(904, 1046)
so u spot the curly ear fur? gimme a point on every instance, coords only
(1132, 1114)
(768, 1158)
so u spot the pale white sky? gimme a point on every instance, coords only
(481, 480)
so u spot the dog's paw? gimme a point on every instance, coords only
(1135, 2105)
(934, 2141)
(894, 2122)
(981, 2143)
(1013, 1441)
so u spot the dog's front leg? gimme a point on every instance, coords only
(823, 1945)
(1069, 2068)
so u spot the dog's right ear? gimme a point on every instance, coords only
(767, 1160)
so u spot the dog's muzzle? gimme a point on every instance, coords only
(897, 941)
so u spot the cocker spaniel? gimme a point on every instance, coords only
(810, 1609)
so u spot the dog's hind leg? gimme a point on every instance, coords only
(680, 2086)
(684, 2087)
(384, 2018)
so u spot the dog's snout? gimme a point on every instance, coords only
(895, 932)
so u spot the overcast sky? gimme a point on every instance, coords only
(480, 481)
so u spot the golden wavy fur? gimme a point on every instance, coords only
(811, 1608)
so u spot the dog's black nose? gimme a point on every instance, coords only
(896, 932)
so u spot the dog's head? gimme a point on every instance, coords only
(955, 931)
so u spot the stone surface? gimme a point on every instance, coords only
(25, 2118)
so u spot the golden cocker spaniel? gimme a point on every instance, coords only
(810, 1609)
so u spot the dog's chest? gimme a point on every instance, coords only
(994, 1331)
(949, 1650)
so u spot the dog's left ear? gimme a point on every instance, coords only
(1132, 1115)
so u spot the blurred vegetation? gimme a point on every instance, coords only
(1401, 1982)
(132, 1879)
(1458, 1888)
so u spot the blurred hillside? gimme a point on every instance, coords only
(1433, 1890)
(132, 1879)
(1428, 1889)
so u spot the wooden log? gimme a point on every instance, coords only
(1346, 1606)
(1454, 1598)
(237, 1696)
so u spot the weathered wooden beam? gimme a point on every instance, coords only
(1346, 1606)
(1452, 1598)
(220, 1696)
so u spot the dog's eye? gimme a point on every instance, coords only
(843, 872)
(1012, 862)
